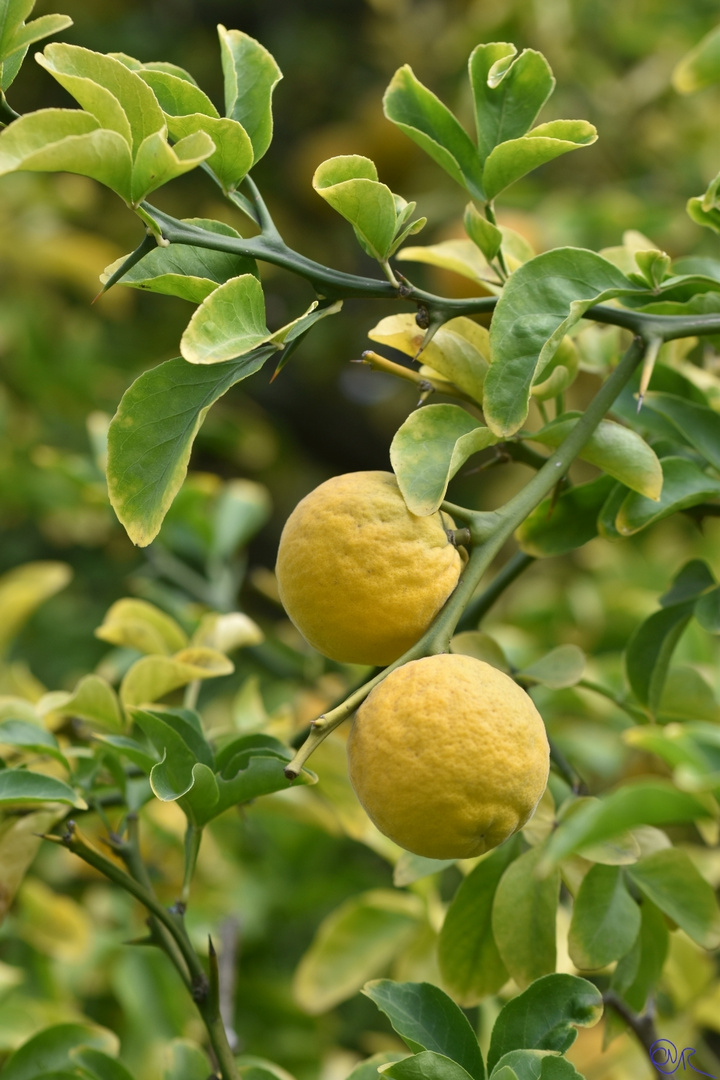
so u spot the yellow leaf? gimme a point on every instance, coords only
(142, 626)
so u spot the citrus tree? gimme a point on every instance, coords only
(556, 361)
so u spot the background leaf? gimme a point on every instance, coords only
(21, 788)
(670, 879)
(559, 525)
(605, 919)
(523, 918)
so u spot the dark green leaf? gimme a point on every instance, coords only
(368, 1070)
(540, 303)
(684, 485)
(649, 651)
(257, 773)
(50, 1050)
(130, 749)
(707, 611)
(508, 92)
(152, 433)
(427, 1019)
(164, 727)
(689, 583)
(524, 917)
(638, 972)
(429, 123)
(470, 963)
(670, 879)
(100, 1065)
(535, 1065)
(698, 424)
(544, 1016)
(19, 787)
(191, 273)
(427, 1066)
(560, 525)
(605, 919)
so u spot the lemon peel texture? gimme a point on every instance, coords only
(448, 756)
(359, 575)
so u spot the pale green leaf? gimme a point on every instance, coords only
(617, 450)
(512, 160)
(250, 74)
(461, 256)
(16, 36)
(429, 448)
(93, 700)
(233, 154)
(229, 323)
(671, 880)
(27, 736)
(354, 943)
(117, 97)
(561, 667)
(156, 161)
(560, 373)
(67, 140)
(176, 95)
(20, 788)
(350, 185)
(486, 236)
(151, 436)
(482, 646)
(701, 66)
(20, 838)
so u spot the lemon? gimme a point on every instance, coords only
(448, 756)
(359, 575)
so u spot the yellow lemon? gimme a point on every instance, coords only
(359, 575)
(448, 756)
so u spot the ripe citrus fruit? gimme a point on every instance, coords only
(448, 756)
(359, 575)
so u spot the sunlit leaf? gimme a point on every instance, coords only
(138, 624)
(251, 74)
(350, 185)
(429, 448)
(462, 257)
(512, 160)
(229, 323)
(508, 92)
(233, 154)
(16, 36)
(93, 700)
(156, 161)
(154, 676)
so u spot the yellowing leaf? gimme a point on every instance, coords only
(227, 632)
(154, 676)
(93, 699)
(140, 625)
(24, 589)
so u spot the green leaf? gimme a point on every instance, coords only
(524, 915)
(229, 323)
(67, 140)
(618, 451)
(426, 1066)
(429, 448)
(28, 736)
(560, 373)
(251, 74)
(429, 123)
(544, 1016)
(684, 485)
(642, 802)
(698, 425)
(701, 66)
(99, 1064)
(25, 588)
(185, 1060)
(255, 773)
(535, 1065)
(117, 97)
(508, 92)
(560, 525)
(694, 579)
(561, 667)
(21, 788)
(352, 944)
(707, 611)
(516, 158)
(649, 651)
(470, 964)
(540, 303)
(368, 1069)
(482, 646)
(350, 185)
(670, 879)
(92, 700)
(16, 36)
(151, 435)
(177, 96)
(461, 257)
(638, 972)
(50, 1050)
(130, 749)
(20, 838)
(233, 155)
(486, 236)
(176, 729)
(605, 919)
(427, 1019)
(410, 868)
(156, 161)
